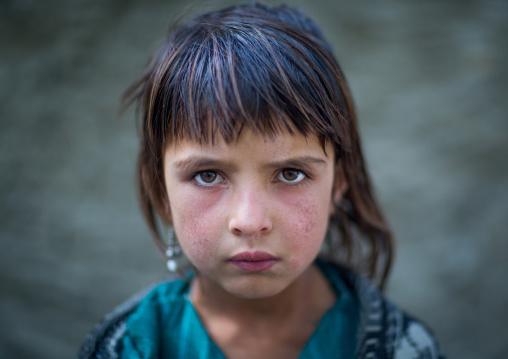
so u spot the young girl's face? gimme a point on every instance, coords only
(251, 215)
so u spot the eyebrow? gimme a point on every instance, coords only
(198, 162)
(304, 162)
(193, 163)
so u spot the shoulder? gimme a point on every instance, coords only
(104, 341)
(384, 330)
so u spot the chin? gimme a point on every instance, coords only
(255, 290)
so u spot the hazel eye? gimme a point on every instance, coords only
(290, 175)
(208, 178)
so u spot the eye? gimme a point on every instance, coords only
(290, 175)
(208, 178)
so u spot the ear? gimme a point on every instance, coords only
(340, 186)
(165, 212)
(166, 215)
(164, 196)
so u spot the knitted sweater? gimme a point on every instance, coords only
(384, 331)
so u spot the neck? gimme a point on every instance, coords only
(309, 293)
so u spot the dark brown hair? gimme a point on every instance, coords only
(270, 69)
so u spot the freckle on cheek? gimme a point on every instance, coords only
(200, 240)
(195, 232)
(308, 230)
(307, 213)
(201, 248)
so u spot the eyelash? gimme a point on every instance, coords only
(292, 183)
(302, 181)
(207, 185)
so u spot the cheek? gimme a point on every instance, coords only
(306, 223)
(196, 221)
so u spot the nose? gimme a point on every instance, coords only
(250, 215)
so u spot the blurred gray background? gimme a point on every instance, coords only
(430, 82)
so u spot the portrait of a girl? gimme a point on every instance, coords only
(253, 184)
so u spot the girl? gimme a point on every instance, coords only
(250, 154)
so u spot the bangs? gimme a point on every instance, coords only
(214, 78)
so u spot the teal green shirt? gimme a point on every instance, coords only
(166, 325)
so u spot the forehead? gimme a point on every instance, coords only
(251, 144)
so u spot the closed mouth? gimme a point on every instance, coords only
(252, 256)
(253, 261)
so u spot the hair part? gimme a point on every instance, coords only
(270, 69)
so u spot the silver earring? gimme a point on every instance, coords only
(172, 251)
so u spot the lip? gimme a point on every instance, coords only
(253, 261)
